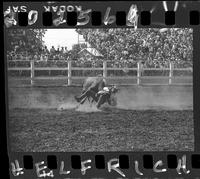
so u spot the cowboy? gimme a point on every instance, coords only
(101, 97)
(105, 95)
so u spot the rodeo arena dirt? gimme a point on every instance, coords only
(53, 105)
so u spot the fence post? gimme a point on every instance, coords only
(69, 72)
(138, 72)
(171, 69)
(32, 71)
(104, 69)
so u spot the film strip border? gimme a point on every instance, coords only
(96, 18)
(102, 14)
(87, 165)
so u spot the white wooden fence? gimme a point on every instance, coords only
(69, 69)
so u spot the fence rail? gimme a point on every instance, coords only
(104, 69)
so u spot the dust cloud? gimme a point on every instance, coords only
(82, 108)
(32, 99)
(37, 99)
(132, 98)
(163, 97)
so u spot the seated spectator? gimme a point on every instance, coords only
(35, 57)
(45, 57)
(56, 57)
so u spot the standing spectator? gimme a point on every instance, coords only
(61, 55)
(66, 53)
(58, 50)
(65, 50)
(52, 50)
(46, 51)
(52, 53)
(62, 50)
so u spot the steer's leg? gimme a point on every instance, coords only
(90, 101)
(83, 100)
(82, 96)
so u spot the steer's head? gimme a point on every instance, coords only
(114, 89)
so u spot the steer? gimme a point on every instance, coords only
(91, 86)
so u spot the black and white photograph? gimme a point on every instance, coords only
(106, 89)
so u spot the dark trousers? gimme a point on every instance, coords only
(86, 94)
(103, 99)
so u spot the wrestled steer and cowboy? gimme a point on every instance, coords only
(95, 90)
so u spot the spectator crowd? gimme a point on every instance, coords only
(153, 54)
(42, 54)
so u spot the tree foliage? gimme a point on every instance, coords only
(25, 40)
(150, 45)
